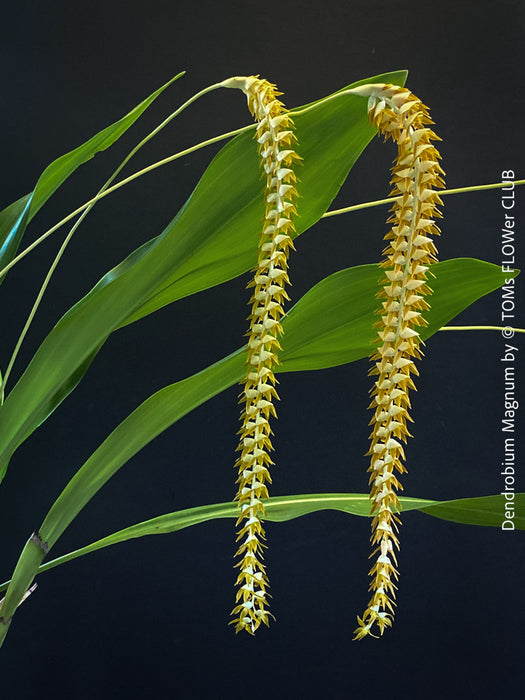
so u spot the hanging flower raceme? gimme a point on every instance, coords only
(275, 141)
(399, 115)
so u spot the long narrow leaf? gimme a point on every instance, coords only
(485, 511)
(15, 218)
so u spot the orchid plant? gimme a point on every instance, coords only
(271, 182)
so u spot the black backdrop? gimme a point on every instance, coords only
(149, 618)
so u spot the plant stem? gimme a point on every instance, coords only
(390, 200)
(23, 575)
(480, 328)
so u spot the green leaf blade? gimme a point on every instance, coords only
(151, 418)
(331, 137)
(481, 511)
(15, 218)
(333, 322)
(486, 511)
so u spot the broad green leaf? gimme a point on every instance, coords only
(343, 299)
(212, 239)
(333, 323)
(330, 138)
(15, 218)
(485, 511)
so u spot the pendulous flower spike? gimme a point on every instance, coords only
(398, 114)
(275, 142)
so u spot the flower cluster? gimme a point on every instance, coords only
(399, 115)
(275, 141)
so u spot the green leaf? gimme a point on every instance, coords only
(485, 511)
(15, 218)
(213, 238)
(333, 323)
(333, 320)
(228, 199)
(150, 419)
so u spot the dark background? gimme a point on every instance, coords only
(149, 618)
